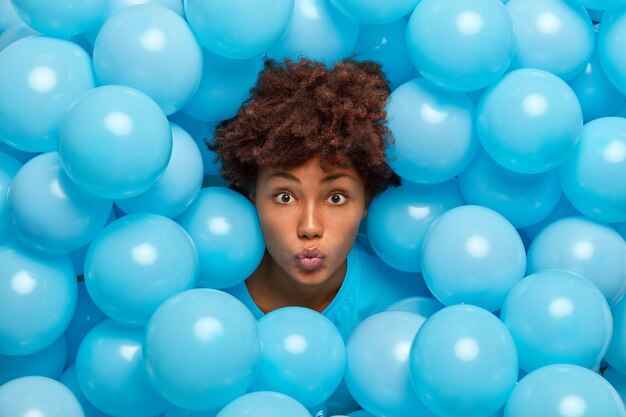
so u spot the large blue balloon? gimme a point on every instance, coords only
(610, 47)
(201, 349)
(238, 28)
(461, 45)
(152, 49)
(9, 166)
(264, 404)
(70, 380)
(38, 396)
(564, 390)
(463, 362)
(529, 121)
(225, 228)
(49, 361)
(615, 354)
(39, 78)
(599, 159)
(375, 12)
(434, 132)
(115, 142)
(61, 18)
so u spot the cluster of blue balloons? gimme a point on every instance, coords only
(509, 127)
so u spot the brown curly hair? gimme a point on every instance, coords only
(300, 109)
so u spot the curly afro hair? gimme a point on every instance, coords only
(300, 109)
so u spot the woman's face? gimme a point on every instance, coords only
(310, 218)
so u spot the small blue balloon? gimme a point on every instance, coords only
(422, 306)
(375, 13)
(9, 166)
(61, 18)
(463, 362)
(563, 209)
(434, 132)
(264, 404)
(564, 390)
(201, 132)
(38, 395)
(225, 228)
(49, 362)
(115, 142)
(615, 353)
(609, 47)
(14, 33)
(70, 380)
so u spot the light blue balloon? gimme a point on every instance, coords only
(563, 209)
(617, 380)
(304, 355)
(529, 121)
(422, 306)
(398, 219)
(136, 263)
(49, 211)
(224, 86)
(463, 45)
(386, 44)
(551, 35)
(225, 228)
(463, 362)
(558, 390)
(8, 15)
(201, 349)
(523, 199)
(38, 395)
(39, 78)
(433, 130)
(37, 299)
(610, 46)
(264, 404)
(590, 248)
(70, 380)
(615, 354)
(377, 374)
(49, 361)
(9, 166)
(316, 30)
(115, 142)
(557, 317)
(201, 132)
(61, 18)
(472, 254)
(15, 33)
(179, 185)
(374, 12)
(111, 374)
(238, 28)
(152, 49)
(599, 159)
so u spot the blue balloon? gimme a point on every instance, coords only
(179, 185)
(473, 255)
(49, 211)
(49, 361)
(115, 142)
(70, 380)
(201, 132)
(462, 46)
(564, 390)
(529, 121)
(152, 49)
(422, 306)
(8, 15)
(38, 396)
(463, 362)
(61, 18)
(586, 247)
(398, 219)
(615, 354)
(563, 209)
(238, 28)
(225, 228)
(37, 299)
(551, 35)
(39, 78)
(201, 349)
(375, 13)
(588, 176)
(523, 199)
(377, 374)
(609, 47)
(434, 132)
(304, 355)
(111, 374)
(15, 33)
(9, 166)
(264, 404)
(316, 30)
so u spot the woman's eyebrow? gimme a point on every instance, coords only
(333, 177)
(285, 175)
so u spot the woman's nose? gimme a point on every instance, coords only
(310, 224)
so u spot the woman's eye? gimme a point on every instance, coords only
(337, 199)
(283, 198)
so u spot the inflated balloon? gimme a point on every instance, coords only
(38, 294)
(551, 35)
(529, 121)
(115, 142)
(615, 354)
(461, 45)
(9, 166)
(201, 132)
(264, 404)
(201, 349)
(39, 78)
(588, 176)
(422, 306)
(434, 132)
(70, 380)
(225, 228)
(238, 28)
(152, 49)
(564, 390)
(111, 374)
(463, 362)
(563, 209)
(179, 185)
(14, 33)
(398, 219)
(473, 255)
(38, 396)
(49, 361)
(609, 35)
(304, 355)
(373, 12)
(61, 18)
